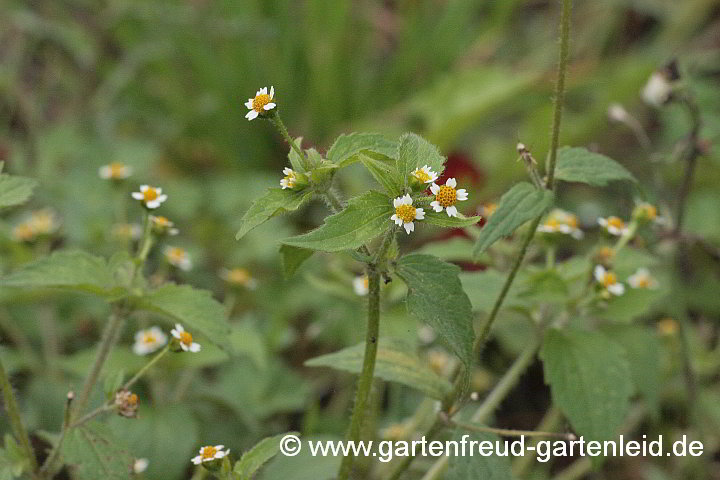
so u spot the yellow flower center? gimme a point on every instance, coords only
(161, 221)
(117, 170)
(552, 222)
(406, 213)
(616, 222)
(132, 400)
(149, 338)
(446, 196)
(649, 211)
(176, 254)
(489, 208)
(238, 275)
(609, 279)
(209, 452)
(643, 281)
(606, 253)
(366, 282)
(24, 232)
(260, 101)
(572, 221)
(187, 339)
(290, 179)
(422, 175)
(150, 194)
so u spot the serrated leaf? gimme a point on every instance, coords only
(195, 309)
(441, 219)
(365, 218)
(275, 202)
(68, 270)
(436, 296)
(15, 190)
(590, 381)
(521, 203)
(384, 172)
(415, 152)
(259, 455)
(473, 467)
(396, 362)
(346, 147)
(94, 453)
(292, 258)
(577, 164)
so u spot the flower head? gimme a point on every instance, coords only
(23, 232)
(40, 223)
(604, 255)
(178, 257)
(115, 171)
(614, 225)
(151, 197)
(405, 213)
(608, 280)
(127, 231)
(657, 90)
(361, 285)
(149, 340)
(642, 279)
(487, 209)
(162, 226)
(126, 403)
(262, 102)
(560, 221)
(289, 180)
(239, 277)
(447, 196)
(140, 465)
(210, 453)
(184, 339)
(424, 175)
(647, 213)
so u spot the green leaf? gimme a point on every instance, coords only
(15, 190)
(346, 148)
(521, 203)
(473, 467)
(396, 362)
(590, 381)
(259, 455)
(69, 270)
(578, 164)
(484, 287)
(436, 297)
(441, 219)
(275, 202)
(195, 309)
(414, 152)
(93, 452)
(295, 161)
(293, 258)
(365, 218)
(13, 461)
(384, 172)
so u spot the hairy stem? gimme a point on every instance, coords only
(277, 121)
(16, 423)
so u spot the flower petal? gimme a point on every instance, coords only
(451, 182)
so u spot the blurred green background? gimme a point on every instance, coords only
(160, 85)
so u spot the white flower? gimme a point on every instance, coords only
(560, 221)
(150, 197)
(425, 175)
(148, 341)
(361, 285)
(614, 225)
(447, 196)
(163, 226)
(261, 103)
(289, 180)
(115, 171)
(642, 279)
(178, 257)
(185, 339)
(405, 213)
(239, 277)
(140, 465)
(657, 90)
(608, 280)
(210, 453)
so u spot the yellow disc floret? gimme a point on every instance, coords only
(609, 279)
(406, 213)
(209, 452)
(616, 222)
(259, 102)
(150, 194)
(446, 196)
(186, 338)
(422, 175)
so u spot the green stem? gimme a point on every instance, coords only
(16, 423)
(368, 369)
(145, 368)
(277, 121)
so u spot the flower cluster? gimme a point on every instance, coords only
(446, 198)
(608, 281)
(560, 221)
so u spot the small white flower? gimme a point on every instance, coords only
(150, 197)
(115, 171)
(163, 226)
(657, 90)
(405, 213)
(185, 339)
(614, 225)
(608, 280)
(261, 103)
(178, 257)
(447, 196)
(127, 231)
(148, 341)
(239, 277)
(289, 180)
(617, 113)
(560, 221)
(210, 453)
(361, 285)
(642, 279)
(140, 465)
(425, 175)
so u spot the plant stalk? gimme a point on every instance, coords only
(16, 423)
